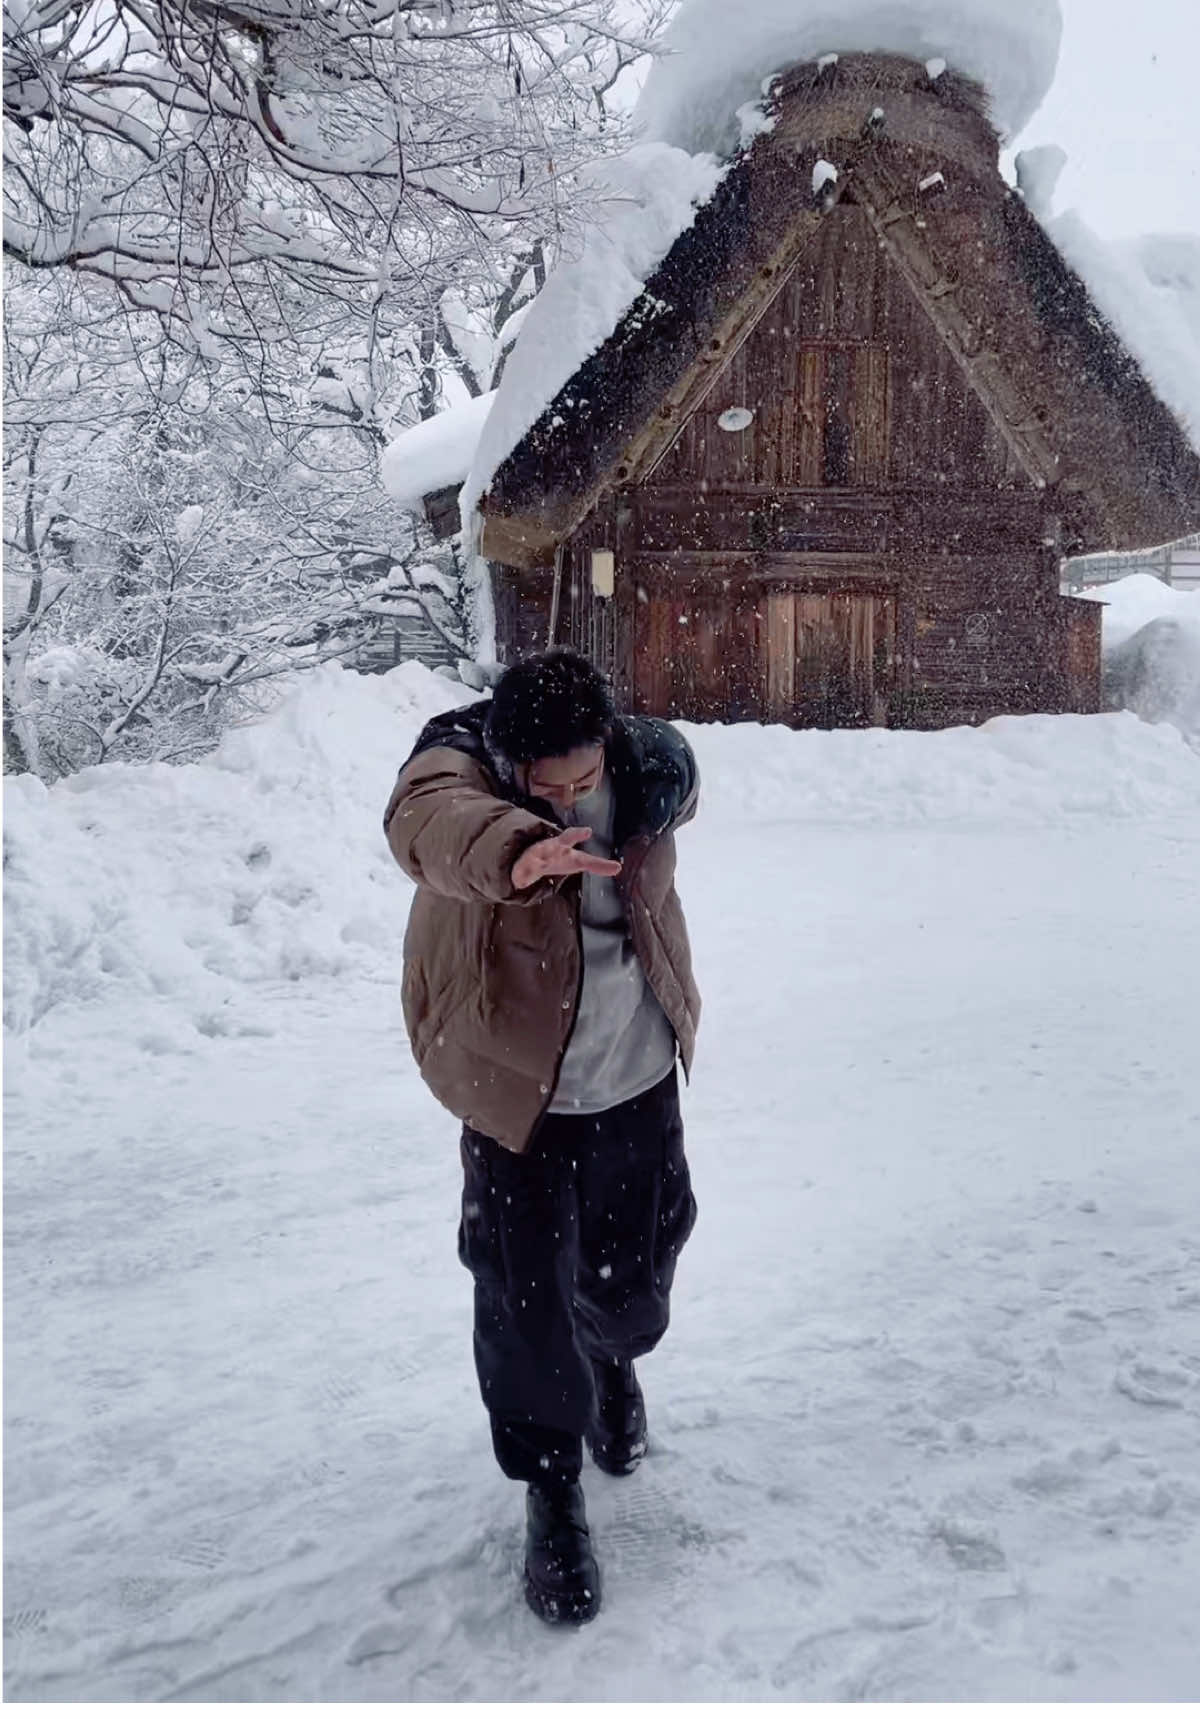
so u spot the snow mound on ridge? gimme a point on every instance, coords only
(1025, 771)
(712, 66)
(188, 886)
(186, 883)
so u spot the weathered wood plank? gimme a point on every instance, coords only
(781, 655)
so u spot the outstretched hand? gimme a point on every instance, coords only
(560, 856)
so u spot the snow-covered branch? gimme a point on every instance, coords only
(157, 141)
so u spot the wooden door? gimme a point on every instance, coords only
(698, 653)
(830, 658)
(763, 653)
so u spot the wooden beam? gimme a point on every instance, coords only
(555, 597)
(518, 541)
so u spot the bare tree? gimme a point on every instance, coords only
(358, 147)
(247, 242)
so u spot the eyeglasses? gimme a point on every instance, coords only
(579, 788)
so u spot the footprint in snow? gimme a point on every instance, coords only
(30, 1620)
(200, 1554)
(339, 1391)
(1156, 1387)
(650, 1537)
(971, 1546)
(380, 1640)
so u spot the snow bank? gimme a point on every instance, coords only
(647, 198)
(1151, 644)
(266, 863)
(714, 63)
(430, 455)
(1149, 290)
(1014, 770)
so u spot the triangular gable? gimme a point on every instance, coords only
(857, 390)
(1071, 407)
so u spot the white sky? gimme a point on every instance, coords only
(1126, 108)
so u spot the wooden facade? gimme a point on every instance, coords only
(840, 494)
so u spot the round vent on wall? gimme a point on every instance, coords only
(736, 418)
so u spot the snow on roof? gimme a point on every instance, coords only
(435, 453)
(696, 109)
(712, 65)
(1149, 290)
(648, 198)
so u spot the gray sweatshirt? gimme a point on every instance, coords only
(622, 1043)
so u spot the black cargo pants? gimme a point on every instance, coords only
(572, 1245)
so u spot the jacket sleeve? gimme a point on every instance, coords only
(450, 832)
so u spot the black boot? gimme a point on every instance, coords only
(562, 1578)
(617, 1437)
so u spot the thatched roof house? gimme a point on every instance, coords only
(825, 468)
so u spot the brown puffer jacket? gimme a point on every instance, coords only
(492, 974)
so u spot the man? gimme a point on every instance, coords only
(547, 991)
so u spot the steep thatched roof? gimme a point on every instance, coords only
(1069, 398)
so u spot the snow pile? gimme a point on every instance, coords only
(185, 883)
(647, 198)
(181, 886)
(1131, 604)
(433, 454)
(1149, 290)
(1015, 771)
(711, 68)
(1171, 264)
(1152, 650)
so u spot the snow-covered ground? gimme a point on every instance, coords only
(928, 1419)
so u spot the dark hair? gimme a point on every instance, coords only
(547, 706)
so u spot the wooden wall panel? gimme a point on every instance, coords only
(849, 384)
(844, 658)
(1082, 624)
(522, 612)
(781, 656)
(809, 415)
(871, 416)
